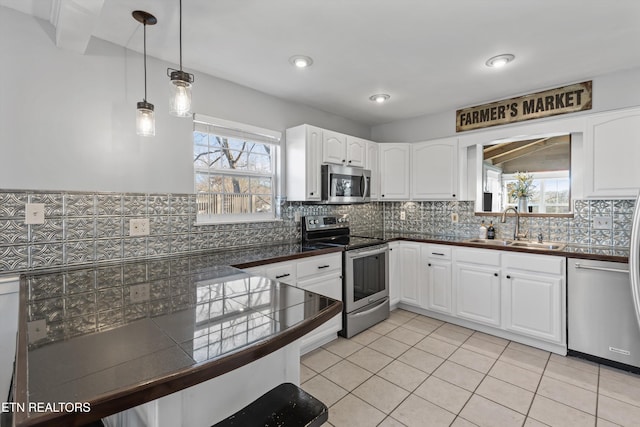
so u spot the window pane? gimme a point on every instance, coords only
(202, 183)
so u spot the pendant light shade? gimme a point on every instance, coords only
(181, 81)
(145, 118)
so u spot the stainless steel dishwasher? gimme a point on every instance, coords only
(600, 314)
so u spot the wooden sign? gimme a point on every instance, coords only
(562, 100)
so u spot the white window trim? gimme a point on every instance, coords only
(269, 136)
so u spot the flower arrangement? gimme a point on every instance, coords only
(523, 188)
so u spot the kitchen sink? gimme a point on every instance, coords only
(541, 246)
(549, 246)
(492, 242)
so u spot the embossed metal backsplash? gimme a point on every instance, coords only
(435, 218)
(93, 228)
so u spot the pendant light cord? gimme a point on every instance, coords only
(144, 30)
(180, 35)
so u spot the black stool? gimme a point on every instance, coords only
(285, 405)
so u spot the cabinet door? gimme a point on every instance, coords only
(533, 304)
(372, 165)
(409, 266)
(394, 274)
(612, 149)
(438, 292)
(394, 171)
(334, 147)
(331, 286)
(434, 170)
(312, 163)
(356, 151)
(478, 293)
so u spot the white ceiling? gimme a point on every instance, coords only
(428, 55)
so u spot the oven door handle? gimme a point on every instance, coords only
(372, 309)
(356, 254)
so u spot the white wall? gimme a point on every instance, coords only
(67, 121)
(610, 92)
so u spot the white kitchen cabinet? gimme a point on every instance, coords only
(477, 285)
(409, 273)
(394, 274)
(341, 149)
(373, 165)
(434, 170)
(436, 259)
(284, 272)
(612, 150)
(323, 275)
(302, 163)
(535, 295)
(395, 165)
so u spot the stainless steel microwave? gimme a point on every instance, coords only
(343, 184)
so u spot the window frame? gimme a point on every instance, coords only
(230, 129)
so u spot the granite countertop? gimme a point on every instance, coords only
(217, 318)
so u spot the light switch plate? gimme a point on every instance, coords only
(37, 330)
(34, 213)
(454, 218)
(403, 215)
(602, 223)
(139, 227)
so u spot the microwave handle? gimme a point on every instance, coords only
(366, 186)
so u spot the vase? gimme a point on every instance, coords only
(522, 205)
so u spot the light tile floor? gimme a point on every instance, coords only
(411, 370)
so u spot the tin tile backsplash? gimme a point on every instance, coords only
(93, 228)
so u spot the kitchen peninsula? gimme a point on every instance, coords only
(195, 331)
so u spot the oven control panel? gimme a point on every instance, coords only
(328, 222)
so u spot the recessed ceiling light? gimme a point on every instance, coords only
(500, 60)
(379, 98)
(301, 61)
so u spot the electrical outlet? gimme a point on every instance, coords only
(403, 215)
(139, 293)
(296, 216)
(37, 330)
(601, 223)
(139, 227)
(454, 217)
(34, 213)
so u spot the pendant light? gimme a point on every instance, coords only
(145, 119)
(180, 92)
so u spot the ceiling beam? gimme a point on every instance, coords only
(533, 147)
(75, 21)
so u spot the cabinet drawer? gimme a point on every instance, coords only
(538, 263)
(438, 251)
(319, 265)
(282, 272)
(478, 256)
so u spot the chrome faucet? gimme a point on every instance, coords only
(516, 231)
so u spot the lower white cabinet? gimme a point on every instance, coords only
(394, 274)
(477, 285)
(409, 273)
(535, 295)
(436, 259)
(321, 274)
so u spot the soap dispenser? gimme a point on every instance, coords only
(483, 231)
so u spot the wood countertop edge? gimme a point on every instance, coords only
(129, 397)
(581, 255)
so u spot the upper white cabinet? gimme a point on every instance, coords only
(302, 163)
(341, 149)
(373, 165)
(612, 150)
(394, 171)
(434, 170)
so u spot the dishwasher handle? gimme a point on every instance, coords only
(593, 267)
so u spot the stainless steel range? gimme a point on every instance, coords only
(365, 281)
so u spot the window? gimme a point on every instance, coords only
(551, 192)
(235, 171)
